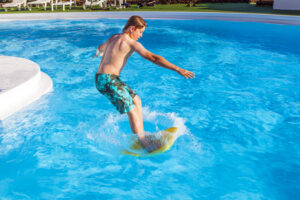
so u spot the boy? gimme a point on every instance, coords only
(115, 53)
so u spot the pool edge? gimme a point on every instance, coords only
(244, 17)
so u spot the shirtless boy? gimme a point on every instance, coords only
(115, 53)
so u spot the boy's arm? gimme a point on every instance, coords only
(156, 59)
(100, 50)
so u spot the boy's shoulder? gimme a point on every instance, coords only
(113, 36)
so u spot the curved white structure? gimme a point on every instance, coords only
(21, 83)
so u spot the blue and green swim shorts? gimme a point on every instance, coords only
(119, 94)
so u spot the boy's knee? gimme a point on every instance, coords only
(137, 100)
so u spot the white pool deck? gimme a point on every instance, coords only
(22, 82)
(246, 17)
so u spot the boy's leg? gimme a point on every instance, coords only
(135, 116)
(136, 123)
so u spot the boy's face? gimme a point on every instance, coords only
(137, 33)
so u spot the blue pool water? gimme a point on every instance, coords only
(239, 118)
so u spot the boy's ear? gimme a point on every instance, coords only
(131, 28)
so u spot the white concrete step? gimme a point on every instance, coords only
(21, 83)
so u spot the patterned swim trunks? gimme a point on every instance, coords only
(119, 94)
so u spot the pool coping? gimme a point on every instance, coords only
(242, 17)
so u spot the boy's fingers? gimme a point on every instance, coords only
(187, 74)
(192, 75)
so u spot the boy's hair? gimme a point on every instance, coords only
(136, 21)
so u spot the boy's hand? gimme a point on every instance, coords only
(187, 74)
(99, 53)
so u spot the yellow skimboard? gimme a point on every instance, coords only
(167, 138)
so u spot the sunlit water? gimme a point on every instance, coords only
(239, 119)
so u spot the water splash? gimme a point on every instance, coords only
(114, 132)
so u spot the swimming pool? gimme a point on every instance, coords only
(239, 119)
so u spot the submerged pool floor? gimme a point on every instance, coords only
(239, 118)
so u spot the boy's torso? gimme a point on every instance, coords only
(118, 50)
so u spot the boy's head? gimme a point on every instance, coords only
(136, 21)
(135, 26)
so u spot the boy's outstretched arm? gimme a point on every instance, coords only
(100, 50)
(159, 60)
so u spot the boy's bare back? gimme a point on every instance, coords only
(116, 51)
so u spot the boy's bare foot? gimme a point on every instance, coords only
(149, 143)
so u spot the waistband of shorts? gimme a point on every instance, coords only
(101, 74)
(107, 75)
